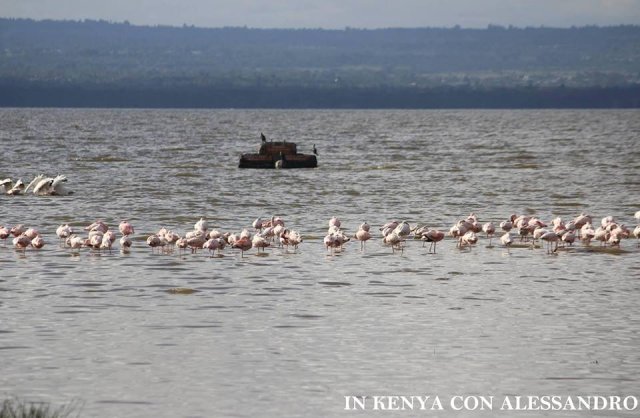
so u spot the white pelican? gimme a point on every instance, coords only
(33, 182)
(50, 186)
(17, 188)
(636, 233)
(5, 185)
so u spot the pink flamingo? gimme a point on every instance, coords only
(125, 228)
(568, 237)
(257, 224)
(21, 242)
(615, 237)
(469, 238)
(395, 241)
(601, 235)
(587, 233)
(212, 244)
(201, 225)
(37, 242)
(170, 237)
(606, 221)
(196, 242)
(63, 232)
(537, 234)
(245, 233)
(277, 231)
(4, 234)
(125, 243)
(75, 242)
(258, 241)
(214, 233)
(458, 230)
(18, 230)
(489, 229)
(432, 236)
(329, 241)
(506, 226)
(506, 240)
(550, 237)
(334, 223)
(294, 238)
(581, 220)
(31, 233)
(243, 244)
(363, 236)
(341, 239)
(95, 241)
(97, 226)
(275, 220)
(107, 240)
(181, 244)
(403, 229)
(154, 241)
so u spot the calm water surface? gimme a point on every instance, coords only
(291, 334)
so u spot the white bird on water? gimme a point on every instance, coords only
(17, 188)
(5, 185)
(49, 186)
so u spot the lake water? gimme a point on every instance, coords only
(293, 333)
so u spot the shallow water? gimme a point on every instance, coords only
(291, 333)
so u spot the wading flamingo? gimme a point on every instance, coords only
(432, 236)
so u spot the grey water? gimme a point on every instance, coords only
(291, 333)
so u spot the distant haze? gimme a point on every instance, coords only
(334, 14)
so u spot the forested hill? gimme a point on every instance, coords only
(100, 63)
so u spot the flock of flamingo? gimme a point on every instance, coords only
(394, 234)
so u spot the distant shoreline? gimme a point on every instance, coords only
(22, 94)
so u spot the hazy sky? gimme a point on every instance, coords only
(334, 13)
